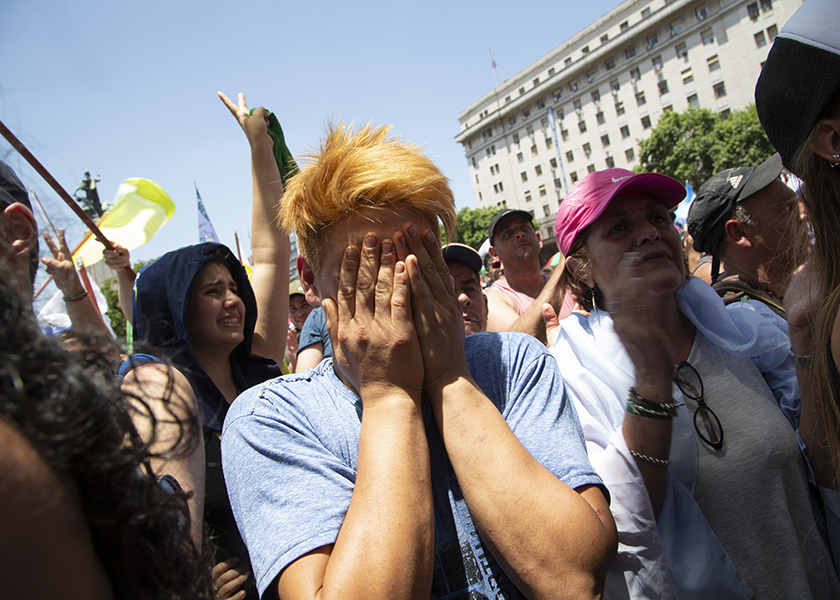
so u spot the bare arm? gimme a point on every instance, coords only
(269, 243)
(532, 321)
(174, 409)
(553, 541)
(500, 312)
(309, 357)
(385, 546)
(118, 259)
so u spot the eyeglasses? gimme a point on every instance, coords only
(706, 423)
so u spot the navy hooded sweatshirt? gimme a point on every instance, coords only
(159, 315)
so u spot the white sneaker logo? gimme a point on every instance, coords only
(614, 180)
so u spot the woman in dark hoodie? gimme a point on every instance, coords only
(196, 307)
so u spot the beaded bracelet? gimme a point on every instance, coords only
(77, 298)
(660, 462)
(669, 408)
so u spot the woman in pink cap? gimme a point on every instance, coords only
(679, 398)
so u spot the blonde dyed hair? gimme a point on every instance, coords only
(365, 169)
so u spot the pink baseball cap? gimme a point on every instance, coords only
(591, 195)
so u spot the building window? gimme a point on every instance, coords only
(596, 96)
(625, 131)
(584, 50)
(610, 63)
(682, 51)
(546, 210)
(656, 61)
(652, 40)
(676, 26)
(610, 162)
(570, 156)
(553, 163)
(720, 90)
(702, 12)
(534, 150)
(538, 170)
(724, 114)
(630, 155)
(624, 26)
(766, 5)
(542, 190)
(527, 196)
(605, 38)
(577, 105)
(708, 36)
(590, 75)
(521, 91)
(536, 81)
(473, 161)
(496, 188)
(544, 122)
(511, 121)
(687, 76)
(574, 177)
(614, 85)
(645, 122)
(646, 13)
(529, 130)
(587, 150)
(557, 95)
(507, 100)
(630, 52)
(640, 99)
(590, 168)
(561, 113)
(573, 86)
(635, 75)
(693, 102)
(479, 197)
(713, 62)
(568, 61)
(772, 32)
(599, 116)
(605, 140)
(564, 133)
(519, 157)
(487, 133)
(524, 176)
(557, 184)
(760, 40)
(549, 142)
(516, 138)
(526, 112)
(476, 177)
(669, 108)
(619, 108)
(582, 126)
(663, 87)
(752, 10)
(540, 104)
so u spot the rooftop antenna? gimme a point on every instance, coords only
(493, 64)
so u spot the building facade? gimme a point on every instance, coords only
(583, 106)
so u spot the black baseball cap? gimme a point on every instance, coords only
(465, 254)
(11, 189)
(800, 77)
(507, 212)
(717, 197)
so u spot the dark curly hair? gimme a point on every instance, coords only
(74, 414)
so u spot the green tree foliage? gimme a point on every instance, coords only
(473, 224)
(698, 143)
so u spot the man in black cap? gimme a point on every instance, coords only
(748, 219)
(18, 235)
(465, 267)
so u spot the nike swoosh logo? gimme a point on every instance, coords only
(614, 180)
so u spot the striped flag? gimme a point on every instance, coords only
(206, 233)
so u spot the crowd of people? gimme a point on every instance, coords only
(383, 426)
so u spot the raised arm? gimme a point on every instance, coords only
(384, 549)
(269, 243)
(532, 320)
(118, 259)
(552, 540)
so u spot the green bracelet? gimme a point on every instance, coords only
(634, 408)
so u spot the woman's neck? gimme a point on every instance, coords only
(217, 367)
(679, 332)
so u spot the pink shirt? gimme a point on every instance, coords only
(522, 301)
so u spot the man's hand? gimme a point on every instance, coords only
(118, 258)
(374, 340)
(435, 308)
(228, 578)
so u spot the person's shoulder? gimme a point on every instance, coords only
(504, 346)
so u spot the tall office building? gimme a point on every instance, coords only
(583, 106)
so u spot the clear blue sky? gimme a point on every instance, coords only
(129, 89)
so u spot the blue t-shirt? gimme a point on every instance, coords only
(315, 330)
(290, 449)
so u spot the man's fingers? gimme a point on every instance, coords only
(346, 297)
(230, 105)
(50, 244)
(433, 249)
(63, 243)
(385, 278)
(368, 271)
(401, 298)
(437, 277)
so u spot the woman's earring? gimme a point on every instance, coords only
(836, 162)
